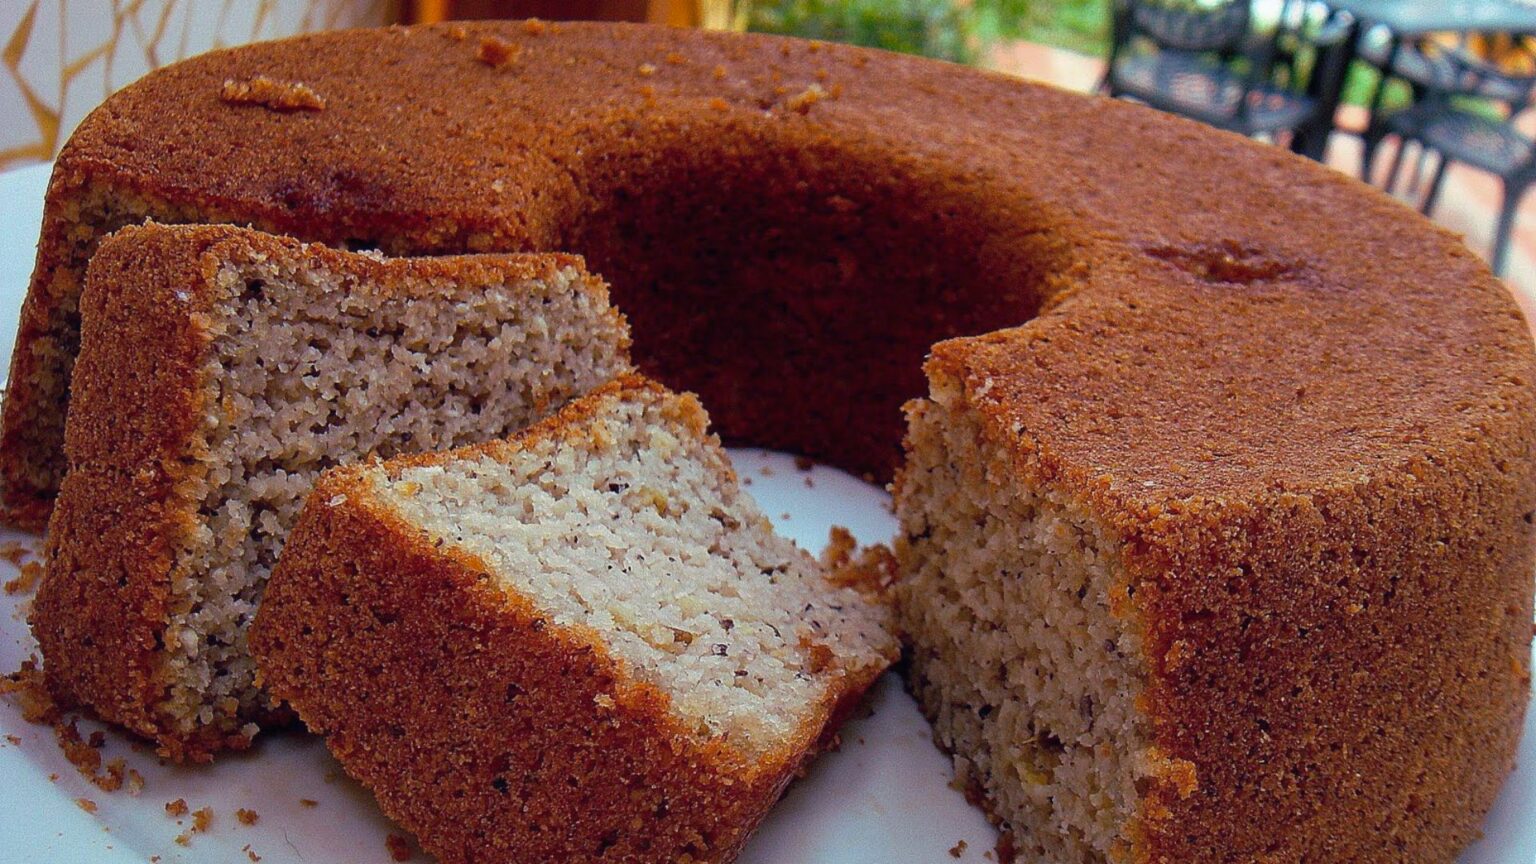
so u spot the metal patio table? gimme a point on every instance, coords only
(1404, 19)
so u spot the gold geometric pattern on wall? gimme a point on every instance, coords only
(61, 58)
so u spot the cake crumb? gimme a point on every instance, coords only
(13, 552)
(86, 804)
(958, 849)
(308, 802)
(809, 482)
(496, 53)
(177, 807)
(247, 817)
(801, 102)
(272, 94)
(184, 838)
(202, 819)
(766, 471)
(26, 582)
(399, 847)
(457, 33)
(804, 463)
(135, 782)
(534, 27)
(250, 853)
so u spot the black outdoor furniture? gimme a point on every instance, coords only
(1203, 62)
(1458, 133)
(1403, 22)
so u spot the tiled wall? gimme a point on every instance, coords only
(61, 58)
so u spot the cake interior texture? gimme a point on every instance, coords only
(1009, 594)
(309, 367)
(630, 530)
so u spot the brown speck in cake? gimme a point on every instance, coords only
(26, 582)
(97, 740)
(534, 27)
(719, 73)
(676, 59)
(497, 53)
(247, 817)
(647, 70)
(176, 808)
(719, 104)
(457, 33)
(272, 94)
(86, 804)
(399, 847)
(958, 849)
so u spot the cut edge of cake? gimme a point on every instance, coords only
(363, 683)
(250, 350)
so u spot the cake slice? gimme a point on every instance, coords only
(583, 642)
(221, 370)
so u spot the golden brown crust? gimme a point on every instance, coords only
(477, 724)
(103, 606)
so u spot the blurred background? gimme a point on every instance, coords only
(1426, 98)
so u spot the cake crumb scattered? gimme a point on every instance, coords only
(272, 94)
(26, 582)
(202, 819)
(184, 838)
(135, 782)
(177, 807)
(13, 552)
(958, 849)
(86, 804)
(308, 802)
(496, 53)
(766, 471)
(809, 482)
(247, 817)
(250, 853)
(399, 847)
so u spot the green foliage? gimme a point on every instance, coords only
(957, 30)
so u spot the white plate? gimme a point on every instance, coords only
(884, 797)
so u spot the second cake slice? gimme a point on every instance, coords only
(583, 642)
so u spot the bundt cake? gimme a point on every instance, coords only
(221, 370)
(582, 643)
(1275, 428)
